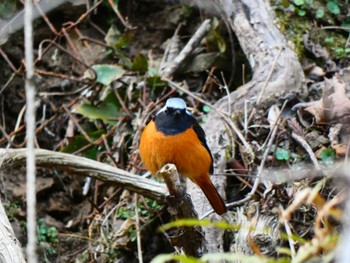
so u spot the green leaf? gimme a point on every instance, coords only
(206, 109)
(124, 40)
(214, 257)
(319, 13)
(310, 2)
(153, 72)
(155, 82)
(327, 155)
(282, 154)
(339, 51)
(175, 258)
(106, 74)
(333, 7)
(196, 222)
(7, 9)
(216, 40)
(79, 142)
(106, 112)
(329, 40)
(345, 24)
(112, 36)
(299, 2)
(291, 8)
(140, 63)
(301, 12)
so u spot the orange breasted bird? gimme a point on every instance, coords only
(175, 136)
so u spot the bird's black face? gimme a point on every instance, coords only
(172, 121)
(175, 112)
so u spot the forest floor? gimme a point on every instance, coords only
(101, 117)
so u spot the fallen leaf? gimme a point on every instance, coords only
(340, 149)
(121, 237)
(334, 107)
(272, 115)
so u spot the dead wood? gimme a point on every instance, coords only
(81, 166)
(179, 204)
(10, 248)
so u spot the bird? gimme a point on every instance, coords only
(175, 136)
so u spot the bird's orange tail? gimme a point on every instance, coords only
(212, 195)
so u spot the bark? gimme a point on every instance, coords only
(10, 248)
(81, 166)
(187, 239)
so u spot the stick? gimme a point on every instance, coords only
(86, 167)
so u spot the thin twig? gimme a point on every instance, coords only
(260, 168)
(9, 62)
(18, 122)
(138, 230)
(82, 131)
(67, 52)
(121, 18)
(30, 120)
(307, 148)
(44, 16)
(188, 49)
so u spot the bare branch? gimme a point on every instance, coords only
(30, 132)
(81, 166)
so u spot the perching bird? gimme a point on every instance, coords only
(175, 136)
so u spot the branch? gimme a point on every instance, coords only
(179, 204)
(30, 132)
(81, 166)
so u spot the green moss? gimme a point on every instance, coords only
(294, 29)
(294, 24)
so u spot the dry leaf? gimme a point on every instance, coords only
(272, 115)
(121, 237)
(334, 107)
(340, 149)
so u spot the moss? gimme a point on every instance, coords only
(294, 29)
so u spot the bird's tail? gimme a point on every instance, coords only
(212, 195)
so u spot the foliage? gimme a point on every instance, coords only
(7, 8)
(327, 156)
(106, 74)
(47, 235)
(298, 17)
(314, 7)
(146, 211)
(282, 154)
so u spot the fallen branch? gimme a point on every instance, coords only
(81, 166)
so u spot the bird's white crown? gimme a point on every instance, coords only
(175, 103)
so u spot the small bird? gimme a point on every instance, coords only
(175, 136)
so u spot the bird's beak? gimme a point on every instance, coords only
(177, 112)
